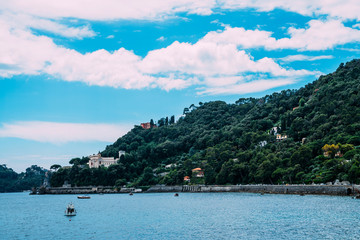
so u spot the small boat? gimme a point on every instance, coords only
(176, 195)
(83, 197)
(131, 194)
(70, 210)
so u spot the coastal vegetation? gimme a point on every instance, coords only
(309, 135)
(10, 181)
(294, 136)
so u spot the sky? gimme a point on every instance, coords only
(77, 75)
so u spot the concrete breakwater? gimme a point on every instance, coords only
(339, 190)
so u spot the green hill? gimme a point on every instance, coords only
(236, 143)
(11, 181)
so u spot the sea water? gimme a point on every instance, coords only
(189, 216)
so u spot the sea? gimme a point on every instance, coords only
(188, 216)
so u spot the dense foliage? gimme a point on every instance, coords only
(11, 181)
(236, 143)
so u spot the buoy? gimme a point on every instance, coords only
(69, 219)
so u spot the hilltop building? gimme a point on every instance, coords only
(96, 160)
(147, 125)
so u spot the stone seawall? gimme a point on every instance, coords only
(339, 190)
(84, 190)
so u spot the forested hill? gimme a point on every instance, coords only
(10, 181)
(236, 143)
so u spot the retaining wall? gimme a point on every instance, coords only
(340, 190)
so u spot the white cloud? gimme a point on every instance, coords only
(160, 9)
(177, 66)
(356, 25)
(26, 22)
(108, 9)
(161, 39)
(319, 35)
(55, 132)
(101, 68)
(344, 9)
(110, 37)
(241, 37)
(246, 87)
(300, 57)
(350, 49)
(23, 51)
(208, 59)
(215, 58)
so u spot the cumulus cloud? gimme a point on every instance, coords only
(208, 59)
(176, 66)
(101, 68)
(55, 132)
(24, 52)
(219, 57)
(319, 35)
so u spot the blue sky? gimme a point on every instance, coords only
(73, 79)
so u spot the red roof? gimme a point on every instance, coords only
(196, 169)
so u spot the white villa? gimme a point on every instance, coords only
(96, 160)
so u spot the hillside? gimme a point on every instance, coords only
(11, 181)
(236, 143)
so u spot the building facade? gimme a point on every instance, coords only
(96, 160)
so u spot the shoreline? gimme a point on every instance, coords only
(333, 190)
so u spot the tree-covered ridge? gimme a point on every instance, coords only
(11, 181)
(235, 143)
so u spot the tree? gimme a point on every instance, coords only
(301, 102)
(55, 167)
(172, 120)
(75, 161)
(147, 178)
(120, 182)
(302, 156)
(161, 122)
(330, 150)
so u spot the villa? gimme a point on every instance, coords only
(96, 160)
